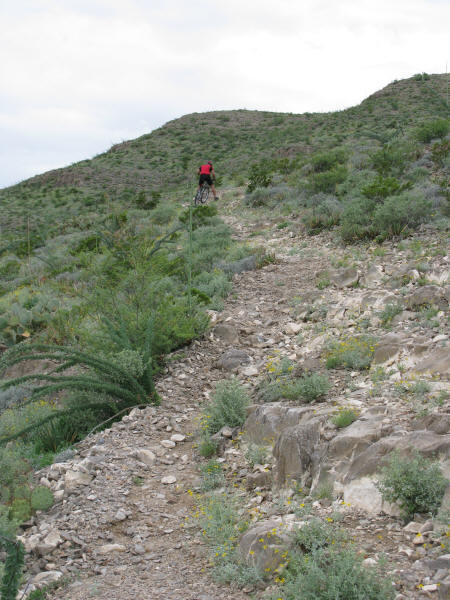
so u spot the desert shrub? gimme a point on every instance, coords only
(430, 130)
(389, 160)
(344, 417)
(416, 484)
(389, 312)
(350, 353)
(148, 201)
(331, 574)
(256, 454)
(401, 214)
(382, 187)
(325, 214)
(259, 176)
(201, 215)
(269, 196)
(228, 406)
(327, 181)
(307, 388)
(212, 475)
(97, 375)
(163, 214)
(221, 526)
(356, 223)
(324, 161)
(440, 151)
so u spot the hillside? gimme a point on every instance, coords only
(200, 402)
(165, 160)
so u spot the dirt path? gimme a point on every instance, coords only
(128, 533)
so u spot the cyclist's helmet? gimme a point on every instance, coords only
(210, 162)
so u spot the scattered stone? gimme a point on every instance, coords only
(169, 479)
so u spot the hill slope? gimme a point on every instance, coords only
(166, 159)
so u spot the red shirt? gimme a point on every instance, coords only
(205, 169)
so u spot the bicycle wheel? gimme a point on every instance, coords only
(202, 194)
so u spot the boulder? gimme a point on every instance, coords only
(232, 359)
(266, 421)
(364, 495)
(427, 295)
(47, 577)
(75, 479)
(226, 333)
(298, 453)
(345, 277)
(387, 349)
(437, 362)
(50, 542)
(263, 545)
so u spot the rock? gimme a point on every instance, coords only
(232, 359)
(250, 371)
(345, 277)
(266, 421)
(387, 349)
(412, 527)
(47, 577)
(145, 456)
(177, 437)
(120, 515)
(167, 443)
(356, 437)
(292, 328)
(50, 542)
(374, 275)
(108, 548)
(169, 479)
(227, 333)
(297, 452)
(262, 479)
(427, 295)
(437, 362)
(75, 479)
(364, 495)
(263, 544)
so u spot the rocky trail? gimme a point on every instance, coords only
(123, 526)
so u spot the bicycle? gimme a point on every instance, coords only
(202, 194)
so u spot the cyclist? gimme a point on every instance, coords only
(206, 173)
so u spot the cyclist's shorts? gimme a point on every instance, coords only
(205, 177)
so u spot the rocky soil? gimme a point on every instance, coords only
(122, 525)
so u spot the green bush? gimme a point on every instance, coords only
(221, 526)
(344, 417)
(399, 215)
(416, 484)
(328, 180)
(228, 406)
(382, 187)
(212, 475)
(256, 454)
(390, 160)
(333, 574)
(430, 130)
(350, 353)
(307, 388)
(389, 312)
(356, 222)
(259, 176)
(325, 161)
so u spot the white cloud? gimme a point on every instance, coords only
(100, 70)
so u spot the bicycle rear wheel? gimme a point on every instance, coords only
(202, 194)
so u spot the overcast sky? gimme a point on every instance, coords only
(77, 76)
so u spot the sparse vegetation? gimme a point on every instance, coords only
(416, 484)
(350, 353)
